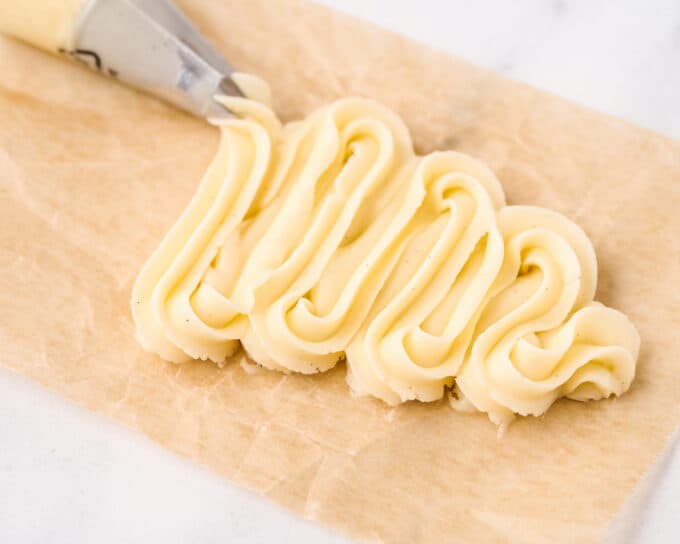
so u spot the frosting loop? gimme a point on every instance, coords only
(541, 336)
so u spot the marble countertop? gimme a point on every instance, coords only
(67, 475)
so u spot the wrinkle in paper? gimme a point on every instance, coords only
(92, 174)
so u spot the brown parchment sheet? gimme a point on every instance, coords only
(92, 174)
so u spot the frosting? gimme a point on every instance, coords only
(49, 24)
(541, 336)
(417, 336)
(328, 238)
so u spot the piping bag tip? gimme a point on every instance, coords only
(152, 45)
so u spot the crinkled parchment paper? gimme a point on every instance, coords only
(92, 174)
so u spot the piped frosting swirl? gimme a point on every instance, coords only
(330, 238)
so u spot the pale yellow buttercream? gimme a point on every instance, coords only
(48, 24)
(329, 238)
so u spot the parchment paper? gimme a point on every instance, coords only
(92, 174)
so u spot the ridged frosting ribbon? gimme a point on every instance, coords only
(329, 238)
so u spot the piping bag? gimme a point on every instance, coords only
(147, 44)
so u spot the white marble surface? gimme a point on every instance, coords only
(69, 476)
(620, 57)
